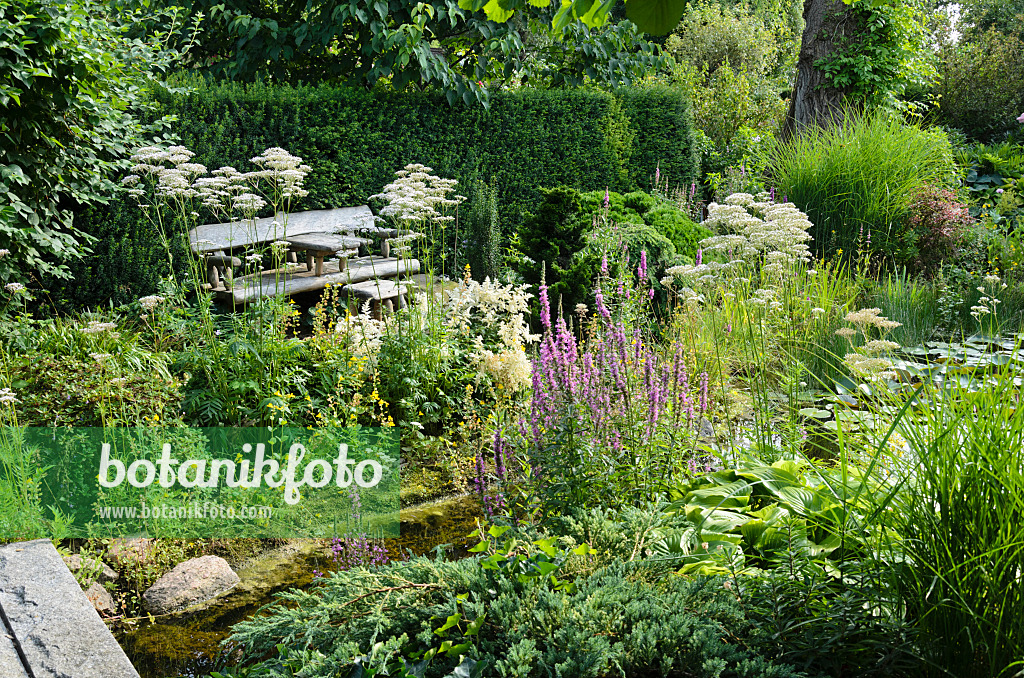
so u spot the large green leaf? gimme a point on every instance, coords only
(656, 17)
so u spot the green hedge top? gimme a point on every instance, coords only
(355, 140)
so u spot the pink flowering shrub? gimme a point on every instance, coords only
(936, 225)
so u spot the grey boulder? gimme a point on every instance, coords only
(189, 583)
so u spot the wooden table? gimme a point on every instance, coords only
(320, 245)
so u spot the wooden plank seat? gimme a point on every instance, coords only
(380, 293)
(249, 288)
(320, 245)
(241, 235)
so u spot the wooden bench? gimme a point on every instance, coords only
(221, 238)
(290, 280)
(380, 293)
(321, 234)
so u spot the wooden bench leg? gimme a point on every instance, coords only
(309, 260)
(319, 264)
(293, 257)
(389, 306)
(342, 264)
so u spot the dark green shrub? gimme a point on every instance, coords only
(678, 228)
(482, 242)
(639, 202)
(354, 140)
(981, 84)
(555, 241)
(663, 120)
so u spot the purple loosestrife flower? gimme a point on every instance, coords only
(545, 308)
(693, 189)
(703, 392)
(604, 264)
(499, 455)
(657, 173)
(773, 194)
(601, 308)
(642, 268)
(607, 198)
(480, 481)
(700, 256)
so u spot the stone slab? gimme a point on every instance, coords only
(60, 633)
(10, 663)
(216, 237)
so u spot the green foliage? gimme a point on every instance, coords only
(959, 514)
(980, 88)
(70, 76)
(482, 243)
(858, 177)
(663, 120)
(885, 55)
(711, 36)
(73, 377)
(440, 44)
(619, 620)
(355, 140)
(555, 241)
(644, 221)
(573, 231)
(734, 63)
(754, 516)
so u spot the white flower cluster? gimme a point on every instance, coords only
(362, 332)
(7, 397)
(867, 362)
(96, 327)
(285, 170)
(151, 302)
(175, 177)
(753, 233)
(987, 304)
(417, 196)
(14, 287)
(4, 253)
(474, 308)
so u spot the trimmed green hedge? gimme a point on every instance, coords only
(354, 140)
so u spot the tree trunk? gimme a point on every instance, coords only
(827, 26)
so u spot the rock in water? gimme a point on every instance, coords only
(193, 581)
(101, 599)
